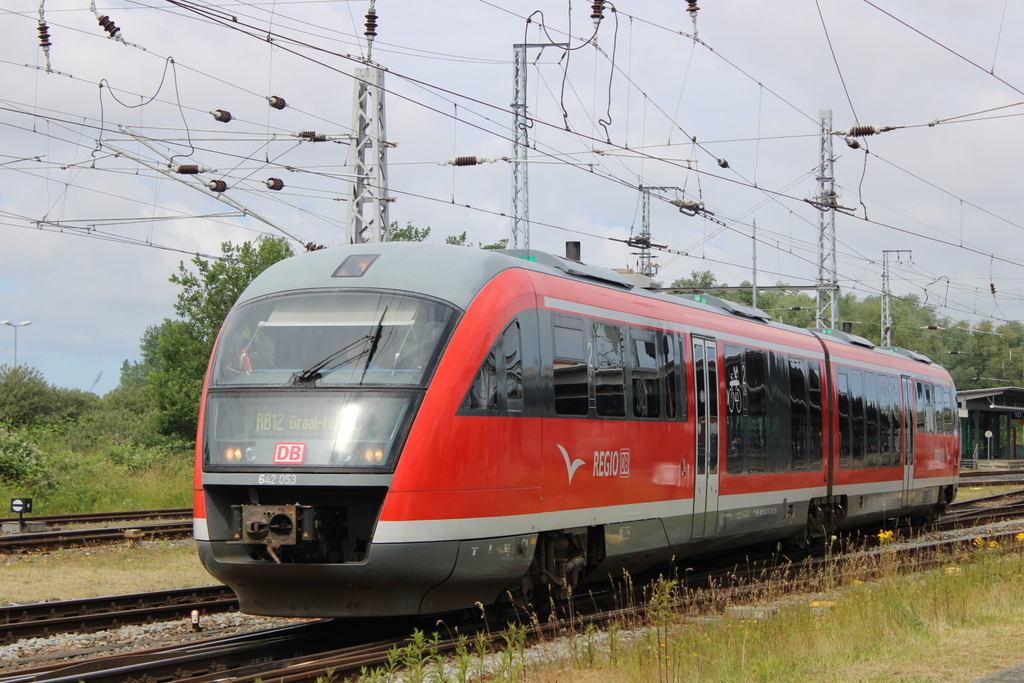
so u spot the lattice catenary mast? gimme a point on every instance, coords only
(887, 294)
(828, 283)
(519, 238)
(368, 151)
(643, 242)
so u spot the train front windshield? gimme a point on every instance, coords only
(330, 338)
(320, 380)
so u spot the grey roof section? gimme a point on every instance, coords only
(571, 267)
(728, 306)
(913, 355)
(847, 337)
(457, 274)
(453, 274)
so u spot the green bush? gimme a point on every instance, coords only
(21, 461)
(25, 397)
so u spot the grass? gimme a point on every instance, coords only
(102, 570)
(92, 482)
(968, 492)
(955, 623)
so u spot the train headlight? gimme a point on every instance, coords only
(373, 456)
(250, 454)
(233, 453)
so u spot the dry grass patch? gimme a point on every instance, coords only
(101, 570)
(967, 492)
(955, 623)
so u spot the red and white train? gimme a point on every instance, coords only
(397, 428)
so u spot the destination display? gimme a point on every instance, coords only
(344, 430)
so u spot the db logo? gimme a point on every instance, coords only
(289, 453)
(624, 463)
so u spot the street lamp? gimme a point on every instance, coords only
(23, 323)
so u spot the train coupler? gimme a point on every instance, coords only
(273, 525)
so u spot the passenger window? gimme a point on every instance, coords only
(609, 386)
(922, 408)
(483, 392)
(884, 422)
(871, 409)
(646, 385)
(845, 433)
(929, 411)
(571, 374)
(798, 413)
(668, 349)
(757, 410)
(513, 367)
(734, 419)
(894, 407)
(674, 349)
(814, 426)
(857, 416)
(949, 411)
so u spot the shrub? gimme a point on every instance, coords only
(21, 461)
(24, 395)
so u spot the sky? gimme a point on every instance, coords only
(724, 111)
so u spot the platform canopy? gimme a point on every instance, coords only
(997, 400)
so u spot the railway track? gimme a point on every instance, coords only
(301, 654)
(105, 517)
(67, 538)
(310, 653)
(94, 614)
(64, 531)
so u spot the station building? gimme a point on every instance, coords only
(990, 420)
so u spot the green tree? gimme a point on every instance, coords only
(25, 397)
(135, 373)
(183, 347)
(458, 240)
(792, 307)
(704, 280)
(410, 233)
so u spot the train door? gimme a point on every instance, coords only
(705, 393)
(909, 422)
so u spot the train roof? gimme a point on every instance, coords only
(456, 274)
(453, 274)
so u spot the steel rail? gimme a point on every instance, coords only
(72, 537)
(222, 658)
(91, 517)
(220, 661)
(94, 614)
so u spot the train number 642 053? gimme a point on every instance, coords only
(278, 479)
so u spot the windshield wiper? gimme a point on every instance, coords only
(313, 371)
(375, 341)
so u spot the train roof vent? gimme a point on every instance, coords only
(729, 306)
(912, 355)
(846, 337)
(570, 267)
